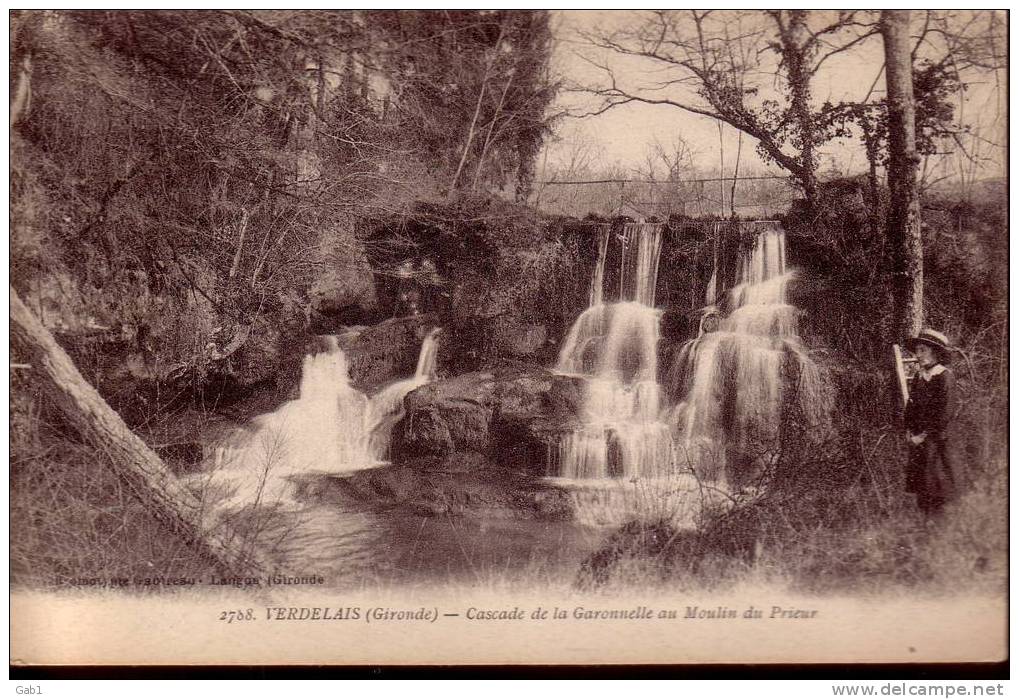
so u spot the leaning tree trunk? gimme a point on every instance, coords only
(904, 211)
(138, 466)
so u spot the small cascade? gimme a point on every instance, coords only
(385, 408)
(331, 427)
(598, 281)
(615, 348)
(709, 295)
(733, 380)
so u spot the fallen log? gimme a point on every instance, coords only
(147, 477)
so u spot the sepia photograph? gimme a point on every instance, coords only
(508, 337)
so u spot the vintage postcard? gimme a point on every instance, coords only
(508, 337)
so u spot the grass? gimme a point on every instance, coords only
(861, 539)
(72, 518)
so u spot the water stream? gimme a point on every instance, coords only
(734, 379)
(266, 475)
(330, 428)
(730, 383)
(650, 443)
(615, 348)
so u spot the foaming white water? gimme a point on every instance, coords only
(709, 294)
(642, 247)
(766, 260)
(385, 408)
(600, 502)
(598, 281)
(615, 346)
(734, 381)
(331, 427)
(579, 353)
(428, 356)
(732, 386)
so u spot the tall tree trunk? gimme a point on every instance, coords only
(135, 464)
(796, 54)
(904, 210)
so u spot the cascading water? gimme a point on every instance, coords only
(733, 380)
(731, 384)
(615, 348)
(598, 281)
(331, 427)
(385, 408)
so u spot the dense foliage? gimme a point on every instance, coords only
(183, 179)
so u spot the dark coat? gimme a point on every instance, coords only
(931, 404)
(932, 470)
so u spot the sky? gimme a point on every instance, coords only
(622, 135)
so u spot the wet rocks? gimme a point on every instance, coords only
(454, 416)
(260, 358)
(513, 337)
(511, 413)
(474, 445)
(385, 352)
(343, 292)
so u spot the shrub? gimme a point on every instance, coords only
(71, 517)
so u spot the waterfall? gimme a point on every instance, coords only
(733, 381)
(385, 408)
(331, 427)
(615, 348)
(598, 281)
(642, 247)
(732, 386)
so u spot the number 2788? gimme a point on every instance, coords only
(232, 615)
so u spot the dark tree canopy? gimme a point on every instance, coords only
(205, 158)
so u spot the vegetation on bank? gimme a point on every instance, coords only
(186, 187)
(834, 516)
(72, 518)
(192, 196)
